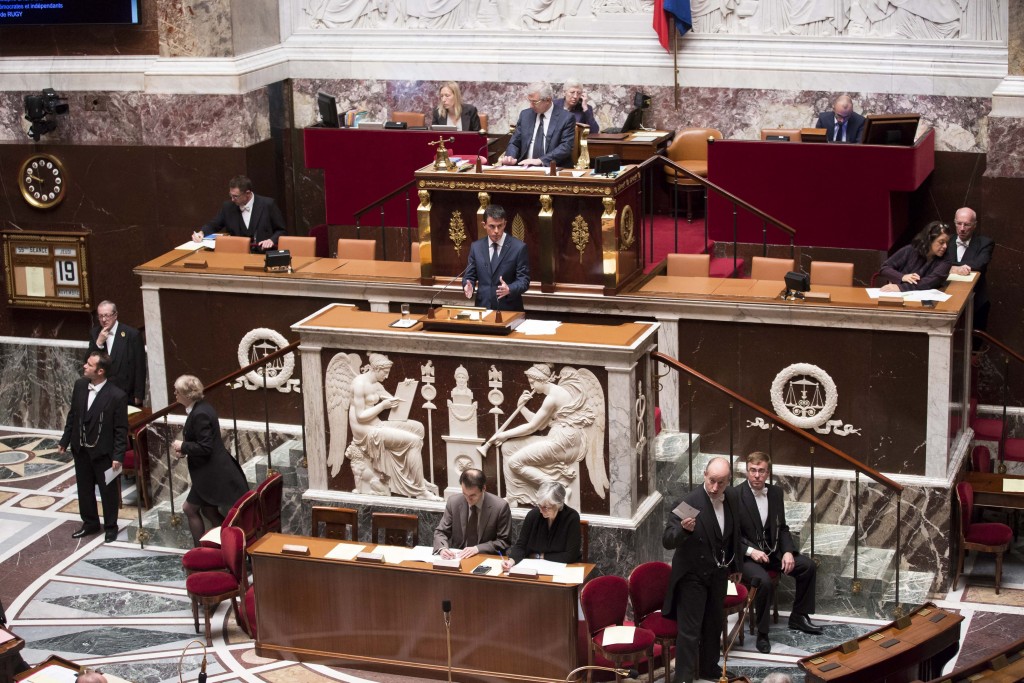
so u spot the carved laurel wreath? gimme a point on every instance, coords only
(580, 235)
(457, 231)
(273, 381)
(808, 370)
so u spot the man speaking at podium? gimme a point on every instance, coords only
(499, 266)
(544, 133)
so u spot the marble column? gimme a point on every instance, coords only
(313, 404)
(156, 375)
(622, 461)
(668, 383)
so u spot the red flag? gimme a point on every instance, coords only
(678, 10)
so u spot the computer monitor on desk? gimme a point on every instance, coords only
(891, 129)
(327, 105)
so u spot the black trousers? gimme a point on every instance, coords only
(88, 475)
(803, 573)
(700, 611)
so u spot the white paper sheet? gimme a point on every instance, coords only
(110, 475)
(919, 295)
(536, 327)
(394, 554)
(344, 551)
(571, 575)
(190, 246)
(542, 566)
(614, 635)
(1013, 485)
(731, 589)
(212, 536)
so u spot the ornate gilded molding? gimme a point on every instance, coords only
(583, 160)
(565, 185)
(609, 243)
(580, 234)
(519, 228)
(627, 229)
(423, 225)
(485, 201)
(457, 231)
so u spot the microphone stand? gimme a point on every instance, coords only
(446, 607)
(724, 678)
(430, 306)
(202, 669)
(591, 667)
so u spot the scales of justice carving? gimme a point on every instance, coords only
(806, 396)
(385, 449)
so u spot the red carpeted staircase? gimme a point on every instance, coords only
(690, 241)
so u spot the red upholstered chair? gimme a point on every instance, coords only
(985, 428)
(207, 557)
(734, 604)
(135, 466)
(981, 459)
(209, 589)
(269, 494)
(990, 537)
(648, 584)
(249, 612)
(248, 516)
(751, 617)
(604, 602)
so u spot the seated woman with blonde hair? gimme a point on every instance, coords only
(452, 111)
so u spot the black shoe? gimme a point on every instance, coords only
(800, 622)
(764, 646)
(110, 536)
(85, 531)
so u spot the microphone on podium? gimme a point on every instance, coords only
(430, 314)
(622, 673)
(755, 583)
(446, 608)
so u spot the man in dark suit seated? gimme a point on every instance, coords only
(97, 432)
(499, 266)
(123, 343)
(970, 254)
(842, 124)
(247, 214)
(767, 544)
(706, 552)
(475, 522)
(544, 133)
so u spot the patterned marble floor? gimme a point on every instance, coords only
(124, 610)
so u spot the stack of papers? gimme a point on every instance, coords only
(543, 567)
(344, 551)
(918, 295)
(537, 327)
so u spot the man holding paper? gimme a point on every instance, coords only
(97, 431)
(475, 522)
(703, 531)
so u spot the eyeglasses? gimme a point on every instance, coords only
(534, 102)
(104, 316)
(963, 224)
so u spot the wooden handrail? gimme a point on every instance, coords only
(383, 199)
(658, 159)
(1002, 347)
(283, 351)
(850, 460)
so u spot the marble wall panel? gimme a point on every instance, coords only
(195, 28)
(741, 113)
(1015, 39)
(36, 382)
(1006, 153)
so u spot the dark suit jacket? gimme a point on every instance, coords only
(512, 265)
(494, 528)
(470, 118)
(266, 222)
(217, 478)
(977, 255)
(127, 361)
(906, 260)
(557, 143)
(754, 534)
(105, 424)
(581, 115)
(854, 126)
(699, 551)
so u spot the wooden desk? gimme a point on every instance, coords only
(388, 618)
(988, 490)
(1006, 666)
(9, 653)
(923, 648)
(630, 149)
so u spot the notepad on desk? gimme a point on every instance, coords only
(344, 551)
(546, 567)
(1013, 485)
(569, 575)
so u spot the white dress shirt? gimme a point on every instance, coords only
(247, 211)
(94, 389)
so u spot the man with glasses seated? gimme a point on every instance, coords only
(971, 253)
(246, 214)
(544, 133)
(123, 343)
(575, 102)
(767, 544)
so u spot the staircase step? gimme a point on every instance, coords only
(832, 546)
(875, 570)
(915, 588)
(723, 267)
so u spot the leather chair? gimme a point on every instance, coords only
(341, 524)
(734, 604)
(414, 252)
(765, 268)
(231, 244)
(687, 265)
(209, 589)
(604, 601)
(411, 118)
(298, 246)
(483, 122)
(360, 250)
(648, 584)
(396, 528)
(269, 495)
(831, 273)
(792, 133)
(689, 150)
(207, 557)
(989, 537)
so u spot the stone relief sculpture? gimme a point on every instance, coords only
(573, 413)
(921, 19)
(386, 456)
(709, 16)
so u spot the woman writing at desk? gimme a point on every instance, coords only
(452, 111)
(919, 265)
(550, 531)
